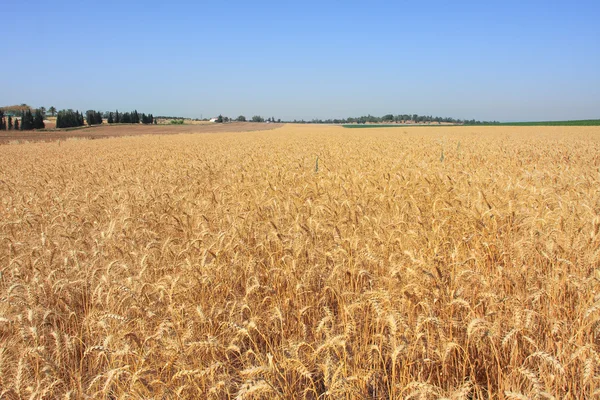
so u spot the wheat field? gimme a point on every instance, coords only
(423, 263)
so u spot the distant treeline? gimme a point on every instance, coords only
(29, 121)
(219, 119)
(69, 119)
(581, 122)
(72, 119)
(129, 118)
(400, 118)
(166, 117)
(368, 119)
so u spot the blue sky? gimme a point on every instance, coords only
(501, 60)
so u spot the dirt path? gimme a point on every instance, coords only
(107, 131)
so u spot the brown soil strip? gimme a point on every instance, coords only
(108, 131)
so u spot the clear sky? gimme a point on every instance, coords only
(502, 60)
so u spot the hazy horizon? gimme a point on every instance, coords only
(468, 60)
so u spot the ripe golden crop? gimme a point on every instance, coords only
(457, 262)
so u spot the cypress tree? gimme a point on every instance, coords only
(16, 124)
(10, 122)
(110, 118)
(117, 117)
(27, 122)
(93, 117)
(38, 120)
(30, 121)
(70, 118)
(2, 123)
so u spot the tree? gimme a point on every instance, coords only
(147, 119)
(388, 117)
(27, 121)
(38, 120)
(90, 117)
(110, 118)
(258, 118)
(43, 111)
(93, 117)
(10, 122)
(220, 119)
(16, 124)
(241, 118)
(52, 110)
(69, 119)
(117, 117)
(2, 123)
